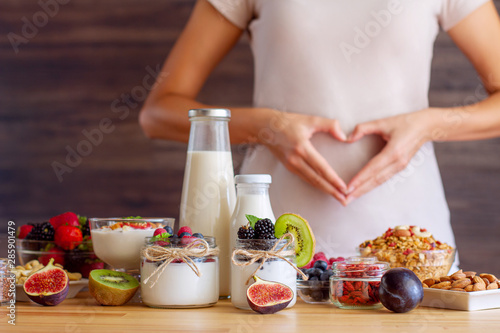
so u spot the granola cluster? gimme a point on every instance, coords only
(413, 248)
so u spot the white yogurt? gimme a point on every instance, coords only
(276, 270)
(179, 287)
(120, 248)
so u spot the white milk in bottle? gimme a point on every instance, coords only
(208, 192)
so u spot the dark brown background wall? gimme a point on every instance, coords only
(78, 68)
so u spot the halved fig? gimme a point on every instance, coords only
(268, 297)
(48, 286)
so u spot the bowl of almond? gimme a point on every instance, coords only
(411, 247)
(462, 290)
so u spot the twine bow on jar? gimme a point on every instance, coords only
(252, 256)
(198, 248)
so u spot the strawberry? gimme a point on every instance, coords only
(68, 237)
(67, 218)
(86, 268)
(184, 229)
(55, 253)
(24, 230)
(159, 231)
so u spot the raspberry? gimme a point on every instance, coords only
(245, 232)
(184, 229)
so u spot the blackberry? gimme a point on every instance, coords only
(86, 230)
(267, 236)
(264, 227)
(246, 232)
(43, 232)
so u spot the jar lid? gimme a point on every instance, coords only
(216, 113)
(253, 179)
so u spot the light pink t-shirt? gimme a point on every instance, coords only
(355, 61)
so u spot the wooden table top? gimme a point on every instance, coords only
(83, 314)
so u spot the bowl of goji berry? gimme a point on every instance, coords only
(355, 282)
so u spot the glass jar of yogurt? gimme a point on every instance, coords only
(273, 269)
(169, 281)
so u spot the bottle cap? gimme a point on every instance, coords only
(253, 179)
(216, 113)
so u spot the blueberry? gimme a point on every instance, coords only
(317, 295)
(321, 264)
(313, 278)
(198, 235)
(184, 234)
(174, 236)
(325, 276)
(169, 230)
(315, 272)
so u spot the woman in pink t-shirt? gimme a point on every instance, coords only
(340, 117)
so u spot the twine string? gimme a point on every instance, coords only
(198, 248)
(252, 256)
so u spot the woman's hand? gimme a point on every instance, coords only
(405, 134)
(288, 137)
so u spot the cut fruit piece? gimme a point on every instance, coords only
(305, 243)
(268, 297)
(48, 286)
(112, 287)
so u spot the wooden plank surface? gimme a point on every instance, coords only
(82, 314)
(67, 77)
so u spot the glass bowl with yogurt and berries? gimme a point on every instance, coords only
(118, 241)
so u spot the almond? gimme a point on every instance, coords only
(491, 278)
(486, 281)
(431, 281)
(442, 285)
(402, 233)
(479, 287)
(458, 275)
(492, 286)
(424, 285)
(461, 283)
(444, 278)
(469, 288)
(457, 289)
(477, 279)
(470, 274)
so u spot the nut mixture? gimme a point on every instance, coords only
(411, 247)
(23, 272)
(464, 281)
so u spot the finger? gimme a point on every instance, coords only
(331, 126)
(301, 168)
(364, 129)
(318, 163)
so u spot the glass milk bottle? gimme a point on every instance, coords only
(252, 199)
(208, 193)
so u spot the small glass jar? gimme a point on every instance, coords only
(178, 286)
(355, 282)
(274, 269)
(7, 283)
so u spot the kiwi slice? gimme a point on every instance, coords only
(304, 238)
(112, 287)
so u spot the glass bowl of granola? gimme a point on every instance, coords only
(413, 248)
